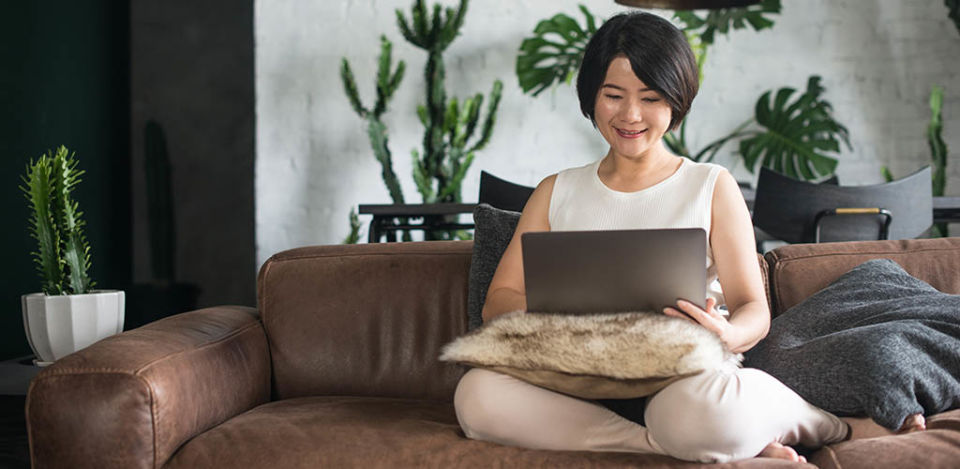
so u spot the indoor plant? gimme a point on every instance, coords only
(453, 129)
(68, 315)
(792, 137)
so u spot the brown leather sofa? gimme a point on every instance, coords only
(339, 369)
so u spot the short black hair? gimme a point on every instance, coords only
(659, 55)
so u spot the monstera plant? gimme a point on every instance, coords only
(795, 137)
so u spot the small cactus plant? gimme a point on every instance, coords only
(56, 222)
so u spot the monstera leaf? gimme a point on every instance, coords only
(796, 136)
(953, 7)
(554, 53)
(723, 19)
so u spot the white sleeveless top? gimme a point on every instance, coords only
(581, 201)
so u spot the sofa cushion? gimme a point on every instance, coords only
(800, 270)
(365, 319)
(875, 342)
(316, 432)
(492, 233)
(936, 448)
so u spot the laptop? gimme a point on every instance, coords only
(590, 272)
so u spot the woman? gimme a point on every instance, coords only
(637, 81)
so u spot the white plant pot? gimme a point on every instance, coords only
(58, 325)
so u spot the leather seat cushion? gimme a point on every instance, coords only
(937, 447)
(369, 432)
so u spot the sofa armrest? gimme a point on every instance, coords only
(132, 399)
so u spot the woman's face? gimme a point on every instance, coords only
(630, 116)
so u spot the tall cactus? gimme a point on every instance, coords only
(387, 84)
(449, 127)
(439, 170)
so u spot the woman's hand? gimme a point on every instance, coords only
(709, 318)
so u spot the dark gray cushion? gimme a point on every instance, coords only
(876, 342)
(492, 233)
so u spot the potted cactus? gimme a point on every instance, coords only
(453, 129)
(68, 314)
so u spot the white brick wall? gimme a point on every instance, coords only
(878, 60)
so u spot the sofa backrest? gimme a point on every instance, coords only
(800, 270)
(365, 320)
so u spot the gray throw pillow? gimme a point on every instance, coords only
(492, 233)
(876, 342)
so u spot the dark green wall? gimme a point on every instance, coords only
(64, 79)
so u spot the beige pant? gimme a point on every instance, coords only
(715, 416)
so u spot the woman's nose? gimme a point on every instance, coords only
(632, 111)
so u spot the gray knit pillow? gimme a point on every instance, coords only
(493, 231)
(877, 342)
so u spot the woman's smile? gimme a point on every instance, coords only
(631, 134)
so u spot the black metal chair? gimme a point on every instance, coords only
(503, 194)
(801, 212)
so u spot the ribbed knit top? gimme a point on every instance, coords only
(581, 201)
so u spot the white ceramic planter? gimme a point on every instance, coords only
(59, 325)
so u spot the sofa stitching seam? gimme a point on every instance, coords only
(138, 371)
(857, 253)
(371, 254)
(202, 346)
(153, 421)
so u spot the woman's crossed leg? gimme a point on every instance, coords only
(711, 417)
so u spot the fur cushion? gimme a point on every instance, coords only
(603, 356)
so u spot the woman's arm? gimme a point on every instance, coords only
(734, 251)
(507, 292)
(732, 241)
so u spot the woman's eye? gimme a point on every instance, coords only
(651, 100)
(612, 96)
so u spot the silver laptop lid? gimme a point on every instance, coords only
(588, 272)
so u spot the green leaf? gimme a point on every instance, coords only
(422, 114)
(722, 20)
(938, 147)
(408, 33)
(39, 189)
(591, 20)
(796, 138)
(377, 133)
(451, 27)
(953, 7)
(354, 236)
(419, 14)
(554, 52)
(396, 79)
(456, 180)
(76, 251)
(350, 87)
(383, 76)
(492, 106)
(421, 177)
(471, 116)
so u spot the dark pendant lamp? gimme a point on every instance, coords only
(687, 4)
